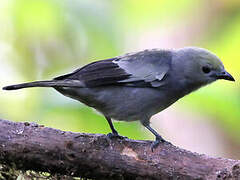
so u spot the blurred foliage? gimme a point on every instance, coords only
(11, 173)
(41, 39)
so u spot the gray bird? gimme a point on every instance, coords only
(138, 85)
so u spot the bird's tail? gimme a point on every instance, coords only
(52, 83)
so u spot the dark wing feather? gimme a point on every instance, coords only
(142, 69)
(98, 73)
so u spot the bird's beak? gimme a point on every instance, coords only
(225, 75)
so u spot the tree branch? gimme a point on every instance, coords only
(28, 146)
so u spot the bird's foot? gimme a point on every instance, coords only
(156, 143)
(115, 135)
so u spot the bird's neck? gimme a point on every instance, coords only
(183, 88)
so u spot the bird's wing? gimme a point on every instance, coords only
(143, 69)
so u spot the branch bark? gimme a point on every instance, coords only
(28, 146)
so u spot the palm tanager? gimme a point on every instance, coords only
(136, 86)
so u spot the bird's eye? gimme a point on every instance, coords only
(206, 69)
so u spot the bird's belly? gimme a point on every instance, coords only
(122, 103)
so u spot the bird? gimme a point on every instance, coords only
(135, 86)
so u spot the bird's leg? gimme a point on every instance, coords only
(159, 138)
(114, 131)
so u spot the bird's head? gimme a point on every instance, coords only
(198, 67)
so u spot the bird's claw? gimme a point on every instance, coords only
(115, 135)
(156, 143)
